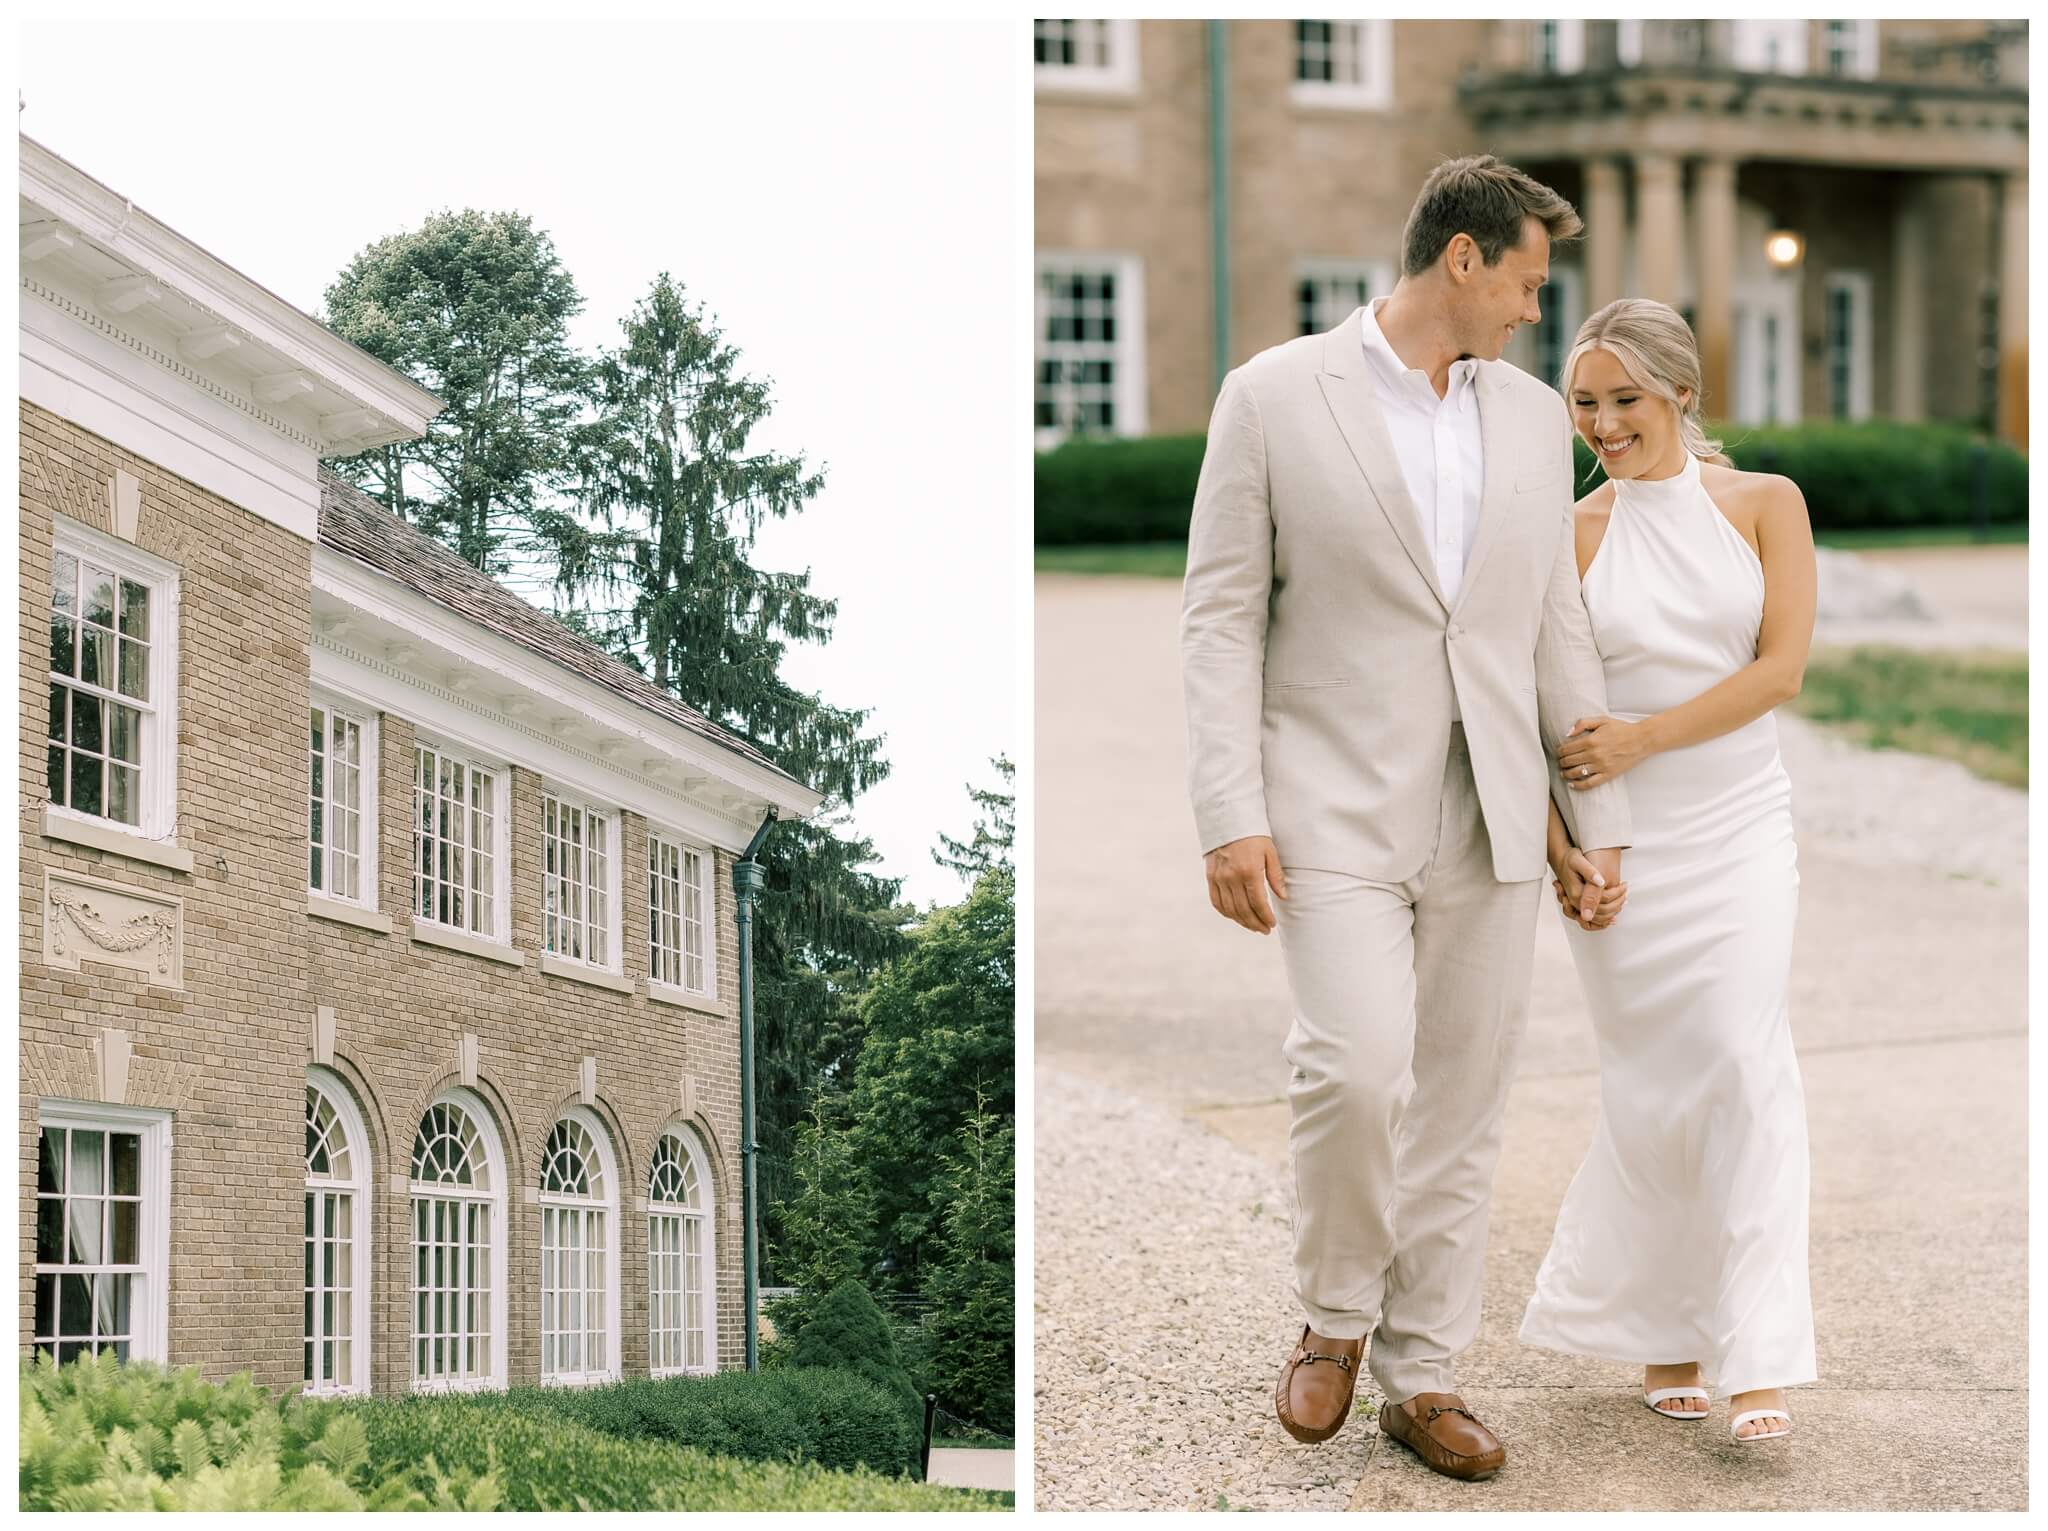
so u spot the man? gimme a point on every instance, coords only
(1383, 645)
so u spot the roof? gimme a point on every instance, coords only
(353, 523)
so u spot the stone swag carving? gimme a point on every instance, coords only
(158, 926)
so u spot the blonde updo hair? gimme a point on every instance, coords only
(1656, 348)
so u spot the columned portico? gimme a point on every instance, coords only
(1606, 226)
(1714, 316)
(1659, 221)
(1910, 273)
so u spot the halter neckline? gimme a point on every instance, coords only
(1661, 491)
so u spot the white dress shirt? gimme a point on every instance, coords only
(1439, 447)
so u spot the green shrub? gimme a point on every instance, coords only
(99, 1436)
(847, 1330)
(833, 1417)
(1877, 474)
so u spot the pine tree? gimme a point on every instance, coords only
(995, 832)
(972, 1285)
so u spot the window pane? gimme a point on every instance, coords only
(127, 1164)
(63, 645)
(85, 783)
(74, 1305)
(134, 609)
(57, 776)
(82, 1222)
(127, 742)
(135, 669)
(124, 800)
(127, 1218)
(64, 582)
(87, 732)
(46, 1307)
(49, 1231)
(99, 596)
(96, 657)
(88, 1157)
(50, 1164)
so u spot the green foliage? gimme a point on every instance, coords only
(995, 829)
(831, 1416)
(941, 1037)
(1880, 473)
(846, 1330)
(1964, 706)
(828, 1225)
(474, 307)
(99, 1436)
(973, 1324)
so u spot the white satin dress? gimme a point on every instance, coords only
(1683, 1236)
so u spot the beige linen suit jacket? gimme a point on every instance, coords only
(1318, 654)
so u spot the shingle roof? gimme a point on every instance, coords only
(353, 523)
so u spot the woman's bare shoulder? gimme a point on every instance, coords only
(1597, 501)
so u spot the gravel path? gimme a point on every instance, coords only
(1163, 1259)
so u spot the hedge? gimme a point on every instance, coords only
(100, 1436)
(832, 1417)
(1867, 476)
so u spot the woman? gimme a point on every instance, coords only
(1681, 1245)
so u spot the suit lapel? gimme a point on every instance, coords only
(1498, 438)
(1348, 390)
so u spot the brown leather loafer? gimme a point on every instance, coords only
(1446, 1435)
(1314, 1396)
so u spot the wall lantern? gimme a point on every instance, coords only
(1783, 249)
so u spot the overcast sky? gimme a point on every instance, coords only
(841, 196)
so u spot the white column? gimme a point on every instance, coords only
(1659, 225)
(1606, 216)
(2012, 313)
(1714, 319)
(1906, 332)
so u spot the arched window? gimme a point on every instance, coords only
(578, 1276)
(337, 1231)
(681, 1291)
(458, 1247)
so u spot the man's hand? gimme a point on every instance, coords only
(1589, 886)
(1238, 874)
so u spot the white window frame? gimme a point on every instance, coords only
(1571, 47)
(149, 1309)
(556, 1209)
(1376, 275)
(1862, 56)
(659, 1249)
(157, 755)
(1116, 74)
(1753, 43)
(357, 1186)
(1126, 352)
(557, 805)
(497, 1288)
(365, 720)
(500, 771)
(1856, 284)
(658, 840)
(1372, 91)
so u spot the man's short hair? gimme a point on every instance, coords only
(1491, 201)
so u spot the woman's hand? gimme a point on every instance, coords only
(1582, 899)
(1599, 749)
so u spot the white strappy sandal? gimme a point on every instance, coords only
(1652, 1399)
(1735, 1426)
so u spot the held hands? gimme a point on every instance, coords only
(1589, 886)
(1238, 875)
(1597, 750)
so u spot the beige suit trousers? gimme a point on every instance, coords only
(1410, 1000)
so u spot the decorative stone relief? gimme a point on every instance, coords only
(86, 920)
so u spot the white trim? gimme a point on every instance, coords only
(583, 972)
(139, 241)
(76, 829)
(499, 936)
(428, 933)
(159, 748)
(565, 796)
(506, 667)
(1128, 400)
(500, 1200)
(1372, 91)
(683, 999)
(1571, 46)
(150, 1340)
(692, 1145)
(682, 993)
(1377, 275)
(1857, 285)
(79, 366)
(366, 720)
(1116, 76)
(610, 1203)
(337, 1093)
(321, 907)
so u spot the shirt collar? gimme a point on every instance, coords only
(1396, 373)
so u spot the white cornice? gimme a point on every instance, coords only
(542, 700)
(80, 207)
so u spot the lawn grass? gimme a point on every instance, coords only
(1966, 706)
(1169, 560)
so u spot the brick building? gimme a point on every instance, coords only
(1208, 189)
(379, 967)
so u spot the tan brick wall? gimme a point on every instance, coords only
(230, 1052)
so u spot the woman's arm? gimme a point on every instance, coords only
(1606, 747)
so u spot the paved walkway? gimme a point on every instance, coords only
(1160, 1222)
(966, 1467)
